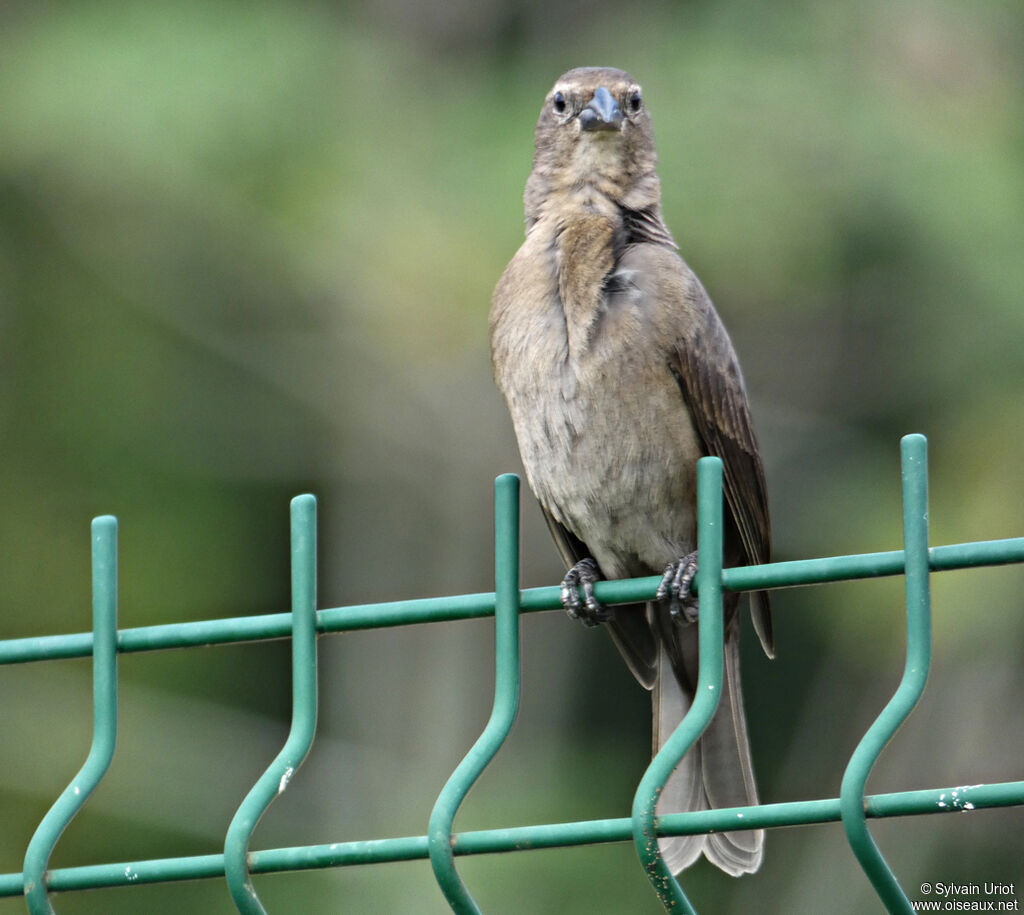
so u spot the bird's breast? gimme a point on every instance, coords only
(604, 433)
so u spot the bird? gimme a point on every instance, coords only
(619, 375)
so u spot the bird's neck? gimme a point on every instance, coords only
(587, 229)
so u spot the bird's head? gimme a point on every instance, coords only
(594, 130)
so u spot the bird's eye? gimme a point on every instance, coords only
(635, 102)
(558, 103)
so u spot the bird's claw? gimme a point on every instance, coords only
(588, 609)
(676, 591)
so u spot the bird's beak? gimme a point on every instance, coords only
(602, 113)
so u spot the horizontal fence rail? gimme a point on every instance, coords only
(238, 629)
(522, 838)
(440, 844)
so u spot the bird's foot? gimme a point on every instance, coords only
(588, 609)
(676, 591)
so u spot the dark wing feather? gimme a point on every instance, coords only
(647, 226)
(708, 374)
(629, 628)
(570, 547)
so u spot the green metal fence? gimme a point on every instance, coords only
(235, 865)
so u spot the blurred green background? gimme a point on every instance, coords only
(247, 250)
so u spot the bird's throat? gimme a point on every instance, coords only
(586, 254)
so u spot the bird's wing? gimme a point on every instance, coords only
(629, 628)
(708, 374)
(701, 357)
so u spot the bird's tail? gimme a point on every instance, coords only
(716, 772)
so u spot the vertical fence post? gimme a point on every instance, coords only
(506, 697)
(104, 733)
(914, 450)
(709, 688)
(304, 710)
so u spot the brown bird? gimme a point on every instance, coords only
(619, 375)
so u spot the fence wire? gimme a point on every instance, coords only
(304, 623)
